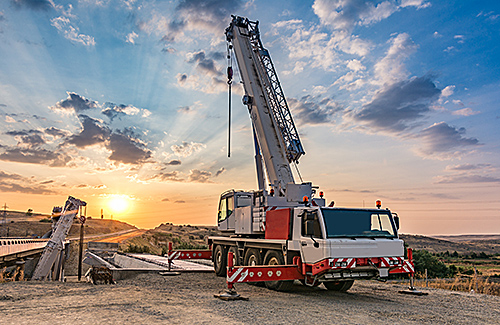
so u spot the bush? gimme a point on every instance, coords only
(137, 249)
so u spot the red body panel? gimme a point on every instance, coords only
(278, 224)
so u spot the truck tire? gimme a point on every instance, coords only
(276, 258)
(341, 286)
(220, 260)
(252, 257)
(236, 255)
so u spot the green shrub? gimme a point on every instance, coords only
(435, 268)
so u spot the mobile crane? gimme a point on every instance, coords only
(51, 263)
(283, 223)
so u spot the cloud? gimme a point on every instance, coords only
(93, 132)
(165, 200)
(453, 179)
(43, 5)
(209, 16)
(399, 106)
(441, 140)
(20, 184)
(127, 150)
(460, 38)
(70, 32)
(355, 65)
(172, 176)
(131, 37)
(55, 132)
(75, 103)
(9, 119)
(220, 171)
(213, 85)
(29, 150)
(207, 77)
(180, 201)
(112, 110)
(27, 139)
(203, 63)
(47, 182)
(4, 176)
(391, 67)
(346, 14)
(467, 111)
(310, 110)
(36, 156)
(187, 149)
(174, 162)
(467, 167)
(28, 189)
(199, 176)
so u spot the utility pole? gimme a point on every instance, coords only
(5, 217)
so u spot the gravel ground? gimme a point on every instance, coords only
(188, 299)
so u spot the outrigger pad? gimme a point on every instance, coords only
(230, 295)
(414, 292)
(168, 273)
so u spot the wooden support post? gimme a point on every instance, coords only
(80, 252)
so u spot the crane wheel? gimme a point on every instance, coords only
(252, 258)
(276, 258)
(341, 286)
(220, 260)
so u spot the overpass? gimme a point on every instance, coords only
(23, 254)
(16, 249)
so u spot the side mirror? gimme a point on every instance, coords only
(310, 228)
(396, 221)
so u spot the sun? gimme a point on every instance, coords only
(118, 204)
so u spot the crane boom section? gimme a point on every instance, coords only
(273, 123)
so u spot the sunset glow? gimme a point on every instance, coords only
(118, 204)
(118, 102)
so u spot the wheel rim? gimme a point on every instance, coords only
(252, 260)
(273, 261)
(218, 257)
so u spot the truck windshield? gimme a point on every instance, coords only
(357, 223)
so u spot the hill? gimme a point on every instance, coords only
(21, 225)
(464, 245)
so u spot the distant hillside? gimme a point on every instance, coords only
(466, 246)
(468, 238)
(16, 228)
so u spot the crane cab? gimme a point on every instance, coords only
(234, 205)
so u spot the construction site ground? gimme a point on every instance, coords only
(189, 299)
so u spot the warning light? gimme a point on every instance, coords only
(305, 199)
(271, 192)
(321, 194)
(378, 203)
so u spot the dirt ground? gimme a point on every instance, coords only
(188, 299)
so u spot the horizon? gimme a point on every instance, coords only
(124, 104)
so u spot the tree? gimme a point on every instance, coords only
(435, 268)
(29, 213)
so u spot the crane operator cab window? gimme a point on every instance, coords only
(226, 207)
(310, 224)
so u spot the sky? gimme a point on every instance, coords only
(124, 104)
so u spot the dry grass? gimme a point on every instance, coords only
(466, 284)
